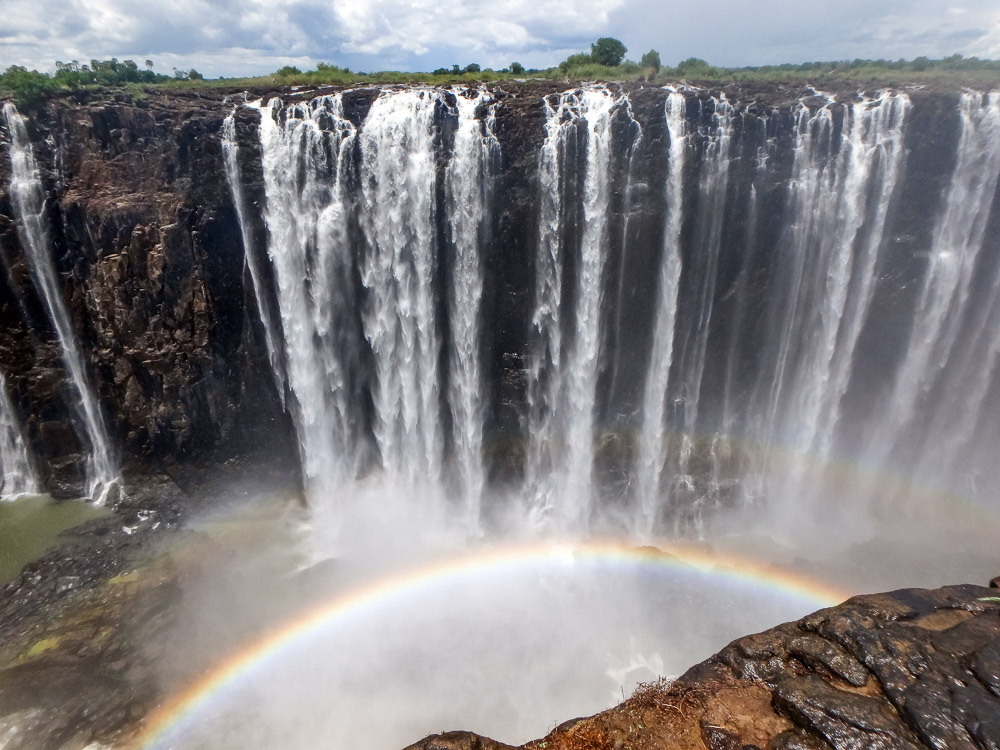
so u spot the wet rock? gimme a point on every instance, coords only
(717, 738)
(797, 739)
(847, 721)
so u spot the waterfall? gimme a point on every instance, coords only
(691, 347)
(563, 381)
(399, 268)
(18, 470)
(305, 150)
(941, 321)
(653, 435)
(272, 336)
(843, 181)
(728, 463)
(712, 201)
(468, 185)
(28, 198)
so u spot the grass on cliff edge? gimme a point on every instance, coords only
(30, 88)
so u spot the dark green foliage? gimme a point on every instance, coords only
(608, 51)
(331, 69)
(650, 60)
(694, 66)
(575, 61)
(28, 86)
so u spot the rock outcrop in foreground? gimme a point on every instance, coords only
(905, 670)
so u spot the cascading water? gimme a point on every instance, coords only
(312, 258)
(564, 378)
(361, 209)
(942, 330)
(272, 333)
(28, 196)
(469, 195)
(712, 200)
(398, 269)
(653, 436)
(831, 250)
(422, 202)
(18, 469)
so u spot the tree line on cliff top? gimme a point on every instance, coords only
(605, 61)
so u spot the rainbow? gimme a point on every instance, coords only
(192, 701)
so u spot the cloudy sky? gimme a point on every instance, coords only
(251, 37)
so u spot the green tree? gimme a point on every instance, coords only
(516, 68)
(651, 60)
(608, 51)
(288, 70)
(472, 68)
(29, 86)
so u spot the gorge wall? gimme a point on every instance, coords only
(628, 304)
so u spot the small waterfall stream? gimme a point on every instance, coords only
(653, 442)
(18, 469)
(28, 196)
(258, 275)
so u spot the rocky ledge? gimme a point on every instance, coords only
(905, 670)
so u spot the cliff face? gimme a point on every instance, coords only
(148, 244)
(149, 251)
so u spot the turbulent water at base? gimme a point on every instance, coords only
(28, 198)
(774, 299)
(18, 470)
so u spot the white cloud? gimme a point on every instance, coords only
(240, 37)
